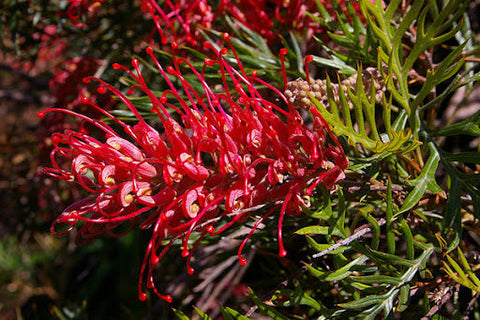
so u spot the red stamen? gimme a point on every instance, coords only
(308, 59)
(190, 270)
(242, 260)
(281, 249)
(208, 45)
(226, 37)
(283, 53)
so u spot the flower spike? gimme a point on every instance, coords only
(222, 152)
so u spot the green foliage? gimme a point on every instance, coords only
(398, 129)
(462, 273)
(350, 32)
(424, 26)
(397, 296)
(381, 281)
(425, 181)
(364, 118)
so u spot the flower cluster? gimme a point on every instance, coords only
(220, 151)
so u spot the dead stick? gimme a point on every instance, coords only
(362, 231)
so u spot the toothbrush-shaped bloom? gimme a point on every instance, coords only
(219, 151)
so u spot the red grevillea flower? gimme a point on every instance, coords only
(231, 151)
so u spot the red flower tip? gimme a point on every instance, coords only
(149, 50)
(101, 90)
(135, 63)
(41, 114)
(171, 70)
(284, 51)
(210, 229)
(84, 100)
(174, 45)
(223, 51)
(185, 253)
(282, 252)
(86, 80)
(208, 45)
(309, 190)
(243, 261)
(168, 298)
(254, 73)
(307, 60)
(142, 296)
(130, 91)
(190, 271)
(116, 66)
(226, 36)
